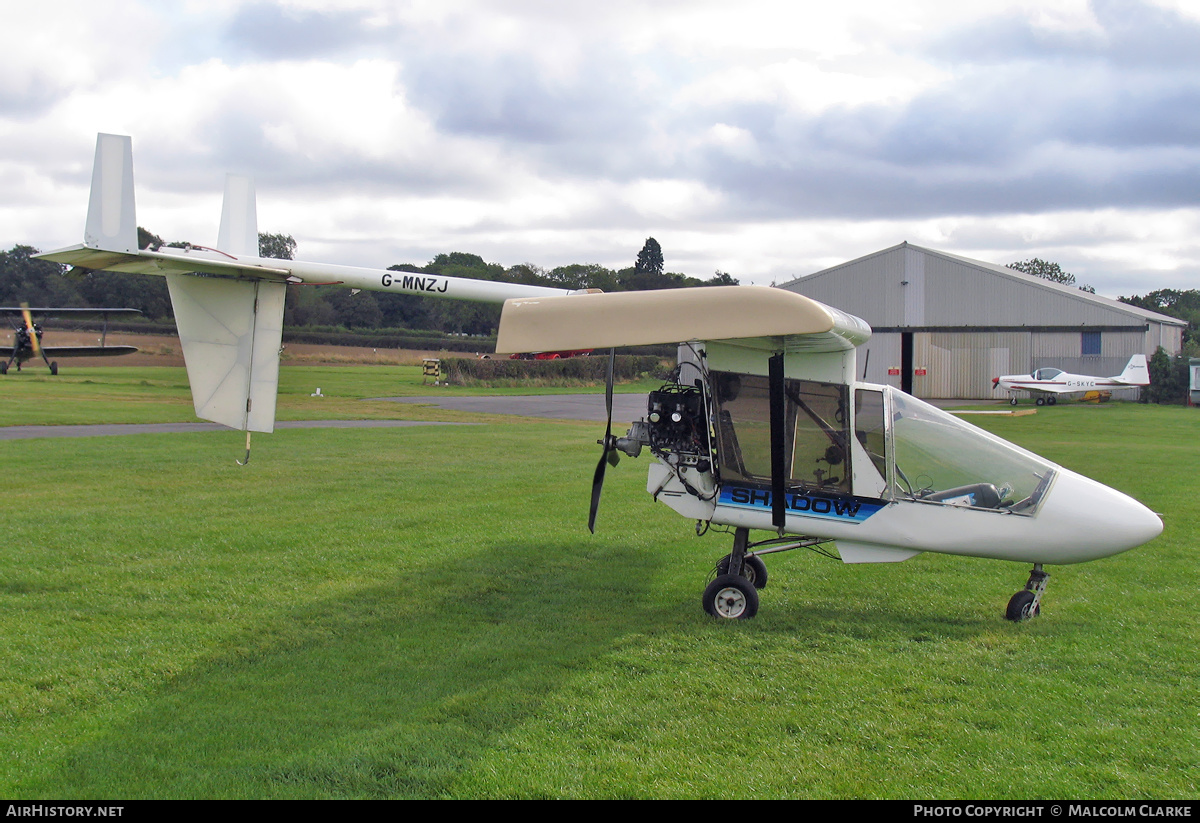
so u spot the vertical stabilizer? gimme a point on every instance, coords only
(1136, 371)
(111, 221)
(239, 218)
(230, 331)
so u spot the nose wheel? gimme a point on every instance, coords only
(1026, 603)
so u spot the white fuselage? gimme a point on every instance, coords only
(1046, 514)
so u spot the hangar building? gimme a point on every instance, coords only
(943, 326)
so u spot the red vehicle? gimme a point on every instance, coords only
(550, 355)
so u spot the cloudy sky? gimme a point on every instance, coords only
(765, 138)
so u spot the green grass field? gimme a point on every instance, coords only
(421, 612)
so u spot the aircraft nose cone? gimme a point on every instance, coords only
(1097, 520)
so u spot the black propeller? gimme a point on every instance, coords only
(609, 454)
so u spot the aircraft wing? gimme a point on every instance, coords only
(752, 316)
(64, 312)
(87, 351)
(1041, 388)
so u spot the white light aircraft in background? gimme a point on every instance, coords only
(765, 429)
(1049, 383)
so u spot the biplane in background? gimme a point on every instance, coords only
(765, 428)
(1048, 384)
(27, 337)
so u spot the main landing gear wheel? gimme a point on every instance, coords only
(54, 367)
(731, 597)
(1050, 401)
(1041, 401)
(753, 569)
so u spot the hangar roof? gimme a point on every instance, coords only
(911, 286)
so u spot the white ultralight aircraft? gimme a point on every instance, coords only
(1049, 383)
(765, 429)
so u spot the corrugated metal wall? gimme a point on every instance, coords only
(868, 288)
(877, 356)
(962, 364)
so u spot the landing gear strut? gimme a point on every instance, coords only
(741, 573)
(1027, 603)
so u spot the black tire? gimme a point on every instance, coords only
(731, 597)
(1012, 401)
(1041, 401)
(1019, 607)
(1050, 401)
(753, 569)
(54, 367)
(3, 368)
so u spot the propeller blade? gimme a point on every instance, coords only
(609, 453)
(608, 385)
(597, 485)
(33, 338)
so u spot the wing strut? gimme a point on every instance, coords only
(778, 441)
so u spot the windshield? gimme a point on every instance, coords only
(941, 459)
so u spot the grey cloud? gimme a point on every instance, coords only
(1132, 34)
(267, 31)
(1061, 132)
(990, 140)
(595, 124)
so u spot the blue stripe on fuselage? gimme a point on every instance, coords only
(843, 508)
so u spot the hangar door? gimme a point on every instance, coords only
(962, 364)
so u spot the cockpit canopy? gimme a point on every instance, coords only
(902, 449)
(937, 458)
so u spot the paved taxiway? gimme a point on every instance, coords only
(626, 407)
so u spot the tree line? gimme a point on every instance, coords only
(1169, 375)
(42, 283)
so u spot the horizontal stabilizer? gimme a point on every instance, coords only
(230, 331)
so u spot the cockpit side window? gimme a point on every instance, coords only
(815, 431)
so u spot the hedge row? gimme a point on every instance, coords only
(378, 339)
(565, 371)
(386, 339)
(431, 341)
